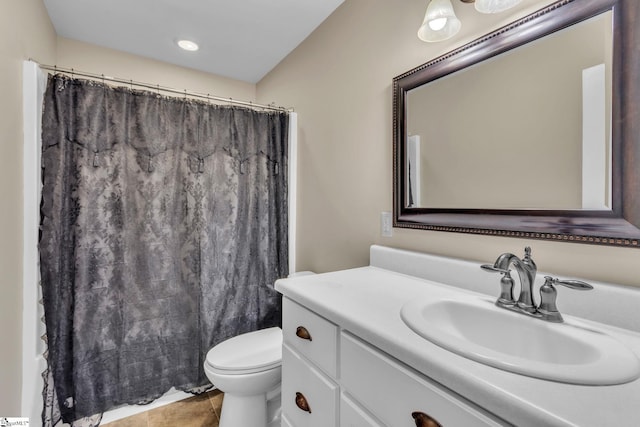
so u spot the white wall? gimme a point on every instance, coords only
(339, 80)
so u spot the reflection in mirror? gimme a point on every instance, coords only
(527, 129)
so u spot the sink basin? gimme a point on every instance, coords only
(477, 329)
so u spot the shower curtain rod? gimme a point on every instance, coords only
(103, 78)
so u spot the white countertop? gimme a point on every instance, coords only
(367, 302)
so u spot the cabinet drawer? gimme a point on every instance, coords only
(393, 393)
(309, 398)
(311, 335)
(352, 415)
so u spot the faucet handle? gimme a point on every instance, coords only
(573, 284)
(548, 295)
(506, 285)
(493, 269)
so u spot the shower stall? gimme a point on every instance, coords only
(33, 328)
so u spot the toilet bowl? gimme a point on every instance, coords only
(247, 368)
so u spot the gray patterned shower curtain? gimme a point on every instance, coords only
(163, 229)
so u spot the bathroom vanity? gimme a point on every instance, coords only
(368, 378)
(349, 358)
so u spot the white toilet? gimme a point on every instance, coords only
(247, 368)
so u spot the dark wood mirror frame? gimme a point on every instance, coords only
(621, 225)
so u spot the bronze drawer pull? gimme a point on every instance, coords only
(302, 332)
(424, 420)
(301, 402)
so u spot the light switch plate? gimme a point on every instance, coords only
(386, 228)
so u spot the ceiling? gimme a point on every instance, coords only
(239, 39)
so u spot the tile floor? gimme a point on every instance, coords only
(197, 411)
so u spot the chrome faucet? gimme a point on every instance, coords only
(527, 269)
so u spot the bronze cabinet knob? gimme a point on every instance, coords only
(301, 402)
(301, 332)
(424, 420)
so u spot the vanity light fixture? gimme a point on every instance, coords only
(440, 21)
(188, 45)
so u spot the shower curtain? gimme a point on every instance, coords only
(163, 229)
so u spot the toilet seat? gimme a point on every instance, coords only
(247, 353)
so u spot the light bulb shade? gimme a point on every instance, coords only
(495, 6)
(440, 22)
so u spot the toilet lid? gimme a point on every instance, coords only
(253, 351)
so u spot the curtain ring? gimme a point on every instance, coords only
(131, 85)
(158, 88)
(185, 94)
(72, 76)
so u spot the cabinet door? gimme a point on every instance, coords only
(310, 335)
(398, 396)
(352, 415)
(285, 422)
(309, 398)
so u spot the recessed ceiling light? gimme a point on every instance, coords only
(188, 45)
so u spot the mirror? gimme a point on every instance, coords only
(527, 131)
(531, 103)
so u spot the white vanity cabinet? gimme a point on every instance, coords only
(332, 378)
(310, 391)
